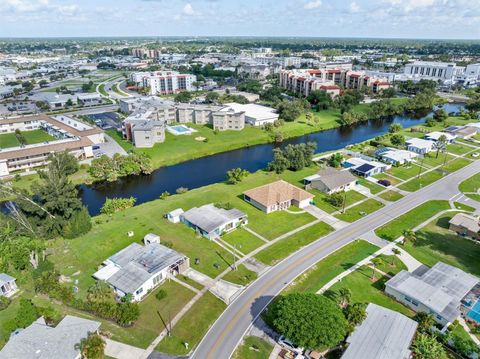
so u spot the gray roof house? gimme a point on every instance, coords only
(330, 180)
(8, 286)
(40, 341)
(439, 291)
(211, 222)
(384, 334)
(136, 269)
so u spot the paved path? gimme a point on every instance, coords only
(122, 351)
(223, 337)
(325, 217)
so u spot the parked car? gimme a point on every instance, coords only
(384, 183)
(287, 344)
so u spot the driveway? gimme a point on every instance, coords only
(109, 148)
(122, 351)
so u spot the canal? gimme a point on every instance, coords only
(207, 170)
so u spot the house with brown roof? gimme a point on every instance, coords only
(277, 196)
(465, 225)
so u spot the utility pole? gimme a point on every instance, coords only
(344, 201)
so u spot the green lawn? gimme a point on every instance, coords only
(419, 182)
(431, 160)
(287, 246)
(391, 264)
(436, 243)
(328, 268)
(384, 176)
(391, 196)
(366, 291)
(32, 137)
(394, 229)
(456, 164)
(241, 276)
(360, 210)
(253, 348)
(373, 187)
(193, 325)
(459, 149)
(321, 200)
(470, 187)
(244, 241)
(404, 172)
(102, 90)
(118, 91)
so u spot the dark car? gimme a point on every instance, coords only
(384, 182)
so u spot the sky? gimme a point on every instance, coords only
(444, 19)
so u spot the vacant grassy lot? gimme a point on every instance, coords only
(391, 196)
(356, 212)
(431, 160)
(253, 348)
(193, 325)
(287, 246)
(404, 172)
(321, 200)
(244, 241)
(459, 149)
(394, 229)
(455, 165)
(32, 137)
(436, 243)
(328, 268)
(419, 182)
(471, 186)
(364, 290)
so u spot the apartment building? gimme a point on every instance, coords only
(164, 82)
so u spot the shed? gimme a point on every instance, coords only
(174, 216)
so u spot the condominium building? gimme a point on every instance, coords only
(164, 82)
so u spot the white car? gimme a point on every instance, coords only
(287, 344)
(475, 154)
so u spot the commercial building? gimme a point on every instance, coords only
(439, 291)
(277, 196)
(471, 76)
(40, 340)
(330, 180)
(71, 135)
(432, 70)
(164, 82)
(466, 225)
(211, 222)
(383, 334)
(137, 269)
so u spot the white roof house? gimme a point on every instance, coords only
(395, 156)
(40, 341)
(439, 290)
(434, 136)
(384, 334)
(419, 145)
(256, 115)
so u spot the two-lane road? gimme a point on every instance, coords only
(223, 337)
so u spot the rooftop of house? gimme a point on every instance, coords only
(466, 221)
(419, 142)
(277, 192)
(5, 278)
(252, 110)
(209, 217)
(40, 341)
(441, 288)
(384, 334)
(332, 178)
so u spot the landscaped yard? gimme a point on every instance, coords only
(241, 275)
(32, 137)
(431, 160)
(459, 149)
(373, 187)
(365, 291)
(384, 176)
(394, 229)
(436, 243)
(193, 325)
(391, 196)
(328, 268)
(253, 348)
(244, 241)
(404, 172)
(321, 200)
(471, 186)
(419, 182)
(455, 165)
(391, 264)
(287, 246)
(360, 210)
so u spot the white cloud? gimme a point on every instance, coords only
(314, 4)
(24, 6)
(188, 10)
(354, 7)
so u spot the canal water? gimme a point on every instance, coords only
(211, 169)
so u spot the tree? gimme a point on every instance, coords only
(212, 97)
(63, 163)
(336, 199)
(343, 297)
(355, 313)
(309, 320)
(395, 127)
(69, 103)
(376, 262)
(27, 313)
(440, 144)
(43, 83)
(440, 115)
(425, 321)
(396, 252)
(127, 313)
(321, 100)
(113, 205)
(430, 122)
(290, 110)
(409, 236)
(183, 97)
(279, 163)
(253, 86)
(397, 139)
(236, 175)
(335, 160)
(428, 347)
(91, 347)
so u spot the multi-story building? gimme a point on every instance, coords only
(164, 82)
(142, 53)
(471, 76)
(431, 70)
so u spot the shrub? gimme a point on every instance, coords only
(4, 302)
(164, 195)
(181, 190)
(161, 294)
(113, 205)
(79, 224)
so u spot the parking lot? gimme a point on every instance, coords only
(107, 120)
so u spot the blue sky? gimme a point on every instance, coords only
(337, 18)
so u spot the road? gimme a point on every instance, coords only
(223, 337)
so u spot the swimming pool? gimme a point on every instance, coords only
(180, 130)
(474, 313)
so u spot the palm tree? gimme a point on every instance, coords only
(91, 347)
(344, 296)
(396, 252)
(409, 236)
(376, 262)
(428, 347)
(441, 144)
(425, 321)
